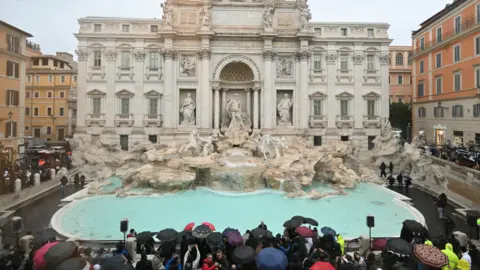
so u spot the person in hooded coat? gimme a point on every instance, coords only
(452, 257)
(441, 203)
(208, 263)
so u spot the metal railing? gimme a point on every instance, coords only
(468, 24)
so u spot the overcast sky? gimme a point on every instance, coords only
(53, 22)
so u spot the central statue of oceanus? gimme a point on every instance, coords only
(236, 122)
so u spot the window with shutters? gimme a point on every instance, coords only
(439, 84)
(476, 110)
(457, 81)
(36, 94)
(125, 106)
(125, 60)
(344, 62)
(422, 112)
(400, 79)
(438, 60)
(50, 78)
(154, 61)
(370, 62)
(10, 129)
(457, 111)
(421, 66)
(27, 94)
(49, 94)
(371, 108)
(61, 112)
(12, 98)
(458, 24)
(27, 111)
(438, 112)
(13, 44)
(153, 108)
(49, 111)
(477, 77)
(422, 44)
(477, 45)
(344, 108)
(62, 79)
(317, 107)
(420, 89)
(456, 53)
(13, 69)
(62, 94)
(97, 59)
(35, 111)
(49, 130)
(439, 35)
(399, 59)
(317, 62)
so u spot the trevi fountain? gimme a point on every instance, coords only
(242, 174)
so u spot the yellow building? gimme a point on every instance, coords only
(51, 81)
(13, 62)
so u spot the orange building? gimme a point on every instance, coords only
(13, 62)
(446, 74)
(400, 79)
(51, 81)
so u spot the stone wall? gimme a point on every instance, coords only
(461, 180)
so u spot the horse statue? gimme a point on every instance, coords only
(271, 147)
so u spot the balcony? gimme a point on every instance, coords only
(152, 72)
(344, 75)
(96, 72)
(318, 121)
(344, 121)
(124, 119)
(470, 24)
(95, 118)
(371, 76)
(152, 119)
(371, 121)
(125, 71)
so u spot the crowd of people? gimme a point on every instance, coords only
(300, 246)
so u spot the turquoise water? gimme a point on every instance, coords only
(98, 217)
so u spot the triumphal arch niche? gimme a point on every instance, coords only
(244, 47)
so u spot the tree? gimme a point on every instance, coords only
(400, 116)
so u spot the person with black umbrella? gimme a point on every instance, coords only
(383, 167)
(144, 263)
(400, 179)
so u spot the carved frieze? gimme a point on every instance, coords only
(331, 58)
(303, 55)
(284, 66)
(358, 59)
(384, 59)
(111, 55)
(139, 55)
(82, 55)
(269, 55)
(188, 66)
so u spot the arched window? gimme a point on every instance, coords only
(399, 59)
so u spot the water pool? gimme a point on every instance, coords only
(97, 217)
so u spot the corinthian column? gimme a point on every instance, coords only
(302, 104)
(249, 103)
(255, 107)
(167, 107)
(217, 109)
(205, 92)
(268, 112)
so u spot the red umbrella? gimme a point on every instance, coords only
(189, 227)
(38, 260)
(304, 231)
(322, 266)
(210, 225)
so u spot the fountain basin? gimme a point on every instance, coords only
(97, 217)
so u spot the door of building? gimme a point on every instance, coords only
(36, 132)
(60, 134)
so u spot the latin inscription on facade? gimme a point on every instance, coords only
(285, 20)
(236, 43)
(237, 17)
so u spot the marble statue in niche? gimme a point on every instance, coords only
(283, 108)
(205, 15)
(167, 13)
(284, 67)
(188, 110)
(187, 66)
(236, 119)
(268, 16)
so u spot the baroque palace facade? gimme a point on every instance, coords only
(155, 79)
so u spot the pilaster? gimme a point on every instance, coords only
(111, 107)
(303, 56)
(81, 90)
(139, 97)
(358, 72)
(168, 99)
(332, 104)
(268, 122)
(204, 94)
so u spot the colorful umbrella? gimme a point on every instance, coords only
(38, 260)
(201, 231)
(73, 264)
(235, 239)
(271, 259)
(304, 231)
(243, 255)
(210, 225)
(166, 235)
(189, 227)
(310, 221)
(431, 256)
(322, 266)
(259, 232)
(228, 230)
(60, 252)
(328, 230)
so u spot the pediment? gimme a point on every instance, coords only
(153, 93)
(345, 95)
(318, 95)
(95, 92)
(124, 93)
(371, 95)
